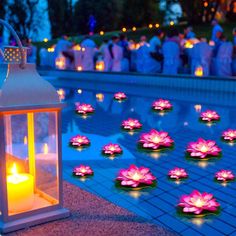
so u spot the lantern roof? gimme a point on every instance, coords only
(25, 87)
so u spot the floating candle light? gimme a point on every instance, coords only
(203, 148)
(224, 175)
(131, 124)
(79, 141)
(112, 149)
(178, 173)
(161, 105)
(197, 203)
(120, 96)
(84, 109)
(155, 140)
(209, 116)
(135, 176)
(82, 171)
(229, 135)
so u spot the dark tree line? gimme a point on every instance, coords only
(67, 17)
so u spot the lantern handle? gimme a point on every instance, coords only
(14, 34)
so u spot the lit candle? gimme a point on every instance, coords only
(20, 191)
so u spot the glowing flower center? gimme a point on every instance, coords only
(85, 108)
(178, 172)
(162, 104)
(231, 134)
(156, 139)
(210, 115)
(136, 176)
(204, 148)
(80, 140)
(225, 175)
(131, 123)
(112, 148)
(83, 170)
(199, 203)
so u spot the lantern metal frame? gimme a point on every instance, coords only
(9, 223)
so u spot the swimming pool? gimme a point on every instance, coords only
(182, 123)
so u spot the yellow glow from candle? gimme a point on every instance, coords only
(134, 28)
(79, 91)
(136, 176)
(20, 191)
(25, 140)
(204, 148)
(100, 97)
(199, 203)
(150, 26)
(45, 148)
(172, 23)
(45, 40)
(156, 139)
(77, 47)
(198, 108)
(100, 65)
(101, 33)
(199, 71)
(124, 29)
(157, 25)
(79, 68)
(51, 49)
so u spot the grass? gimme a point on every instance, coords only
(203, 30)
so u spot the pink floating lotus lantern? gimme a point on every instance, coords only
(229, 135)
(82, 171)
(224, 175)
(155, 140)
(203, 149)
(178, 174)
(79, 141)
(161, 105)
(135, 177)
(84, 109)
(209, 116)
(120, 96)
(112, 149)
(197, 203)
(131, 124)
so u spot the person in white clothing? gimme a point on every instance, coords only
(116, 53)
(62, 45)
(88, 43)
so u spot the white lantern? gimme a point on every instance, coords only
(30, 149)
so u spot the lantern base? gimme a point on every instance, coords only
(33, 220)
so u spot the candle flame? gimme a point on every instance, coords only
(14, 170)
(45, 148)
(199, 71)
(136, 176)
(25, 140)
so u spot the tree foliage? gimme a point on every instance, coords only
(199, 11)
(107, 14)
(61, 17)
(24, 16)
(2, 12)
(139, 13)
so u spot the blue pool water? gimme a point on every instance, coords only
(157, 204)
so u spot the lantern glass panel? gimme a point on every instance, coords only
(19, 180)
(31, 161)
(46, 156)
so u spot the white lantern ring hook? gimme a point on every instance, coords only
(14, 34)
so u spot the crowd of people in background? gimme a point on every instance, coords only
(170, 52)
